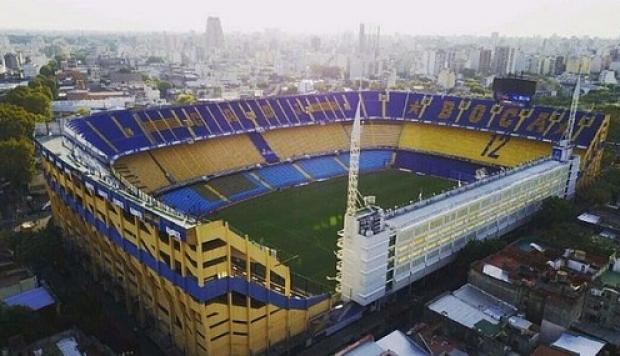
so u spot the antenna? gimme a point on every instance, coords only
(354, 162)
(568, 134)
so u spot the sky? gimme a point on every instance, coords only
(430, 17)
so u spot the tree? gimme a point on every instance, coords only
(49, 82)
(15, 122)
(598, 193)
(185, 98)
(36, 100)
(555, 210)
(17, 163)
(163, 87)
(46, 70)
(83, 111)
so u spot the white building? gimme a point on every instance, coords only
(384, 251)
(305, 86)
(608, 77)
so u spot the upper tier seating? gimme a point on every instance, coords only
(122, 132)
(307, 140)
(207, 157)
(263, 147)
(474, 145)
(375, 134)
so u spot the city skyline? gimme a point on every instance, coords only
(478, 17)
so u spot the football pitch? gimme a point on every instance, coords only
(302, 222)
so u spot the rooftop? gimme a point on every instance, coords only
(35, 299)
(473, 308)
(579, 344)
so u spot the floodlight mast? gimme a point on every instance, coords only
(567, 139)
(354, 163)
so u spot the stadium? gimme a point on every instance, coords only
(221, 223)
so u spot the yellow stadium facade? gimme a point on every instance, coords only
(229, 324)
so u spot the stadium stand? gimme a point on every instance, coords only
(282, 175)
(237, 186)
(375, 134)
(322, 167)
(189, 200)
(207, 157)
(370, 160)
(299, 141)
(473, 145)
(440, 166)
(135, 130)
(263, 147)
(142, 171)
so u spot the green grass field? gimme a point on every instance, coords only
(302, 222)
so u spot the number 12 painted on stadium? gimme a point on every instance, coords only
(495, 144)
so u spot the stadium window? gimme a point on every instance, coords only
(163, 237)
(258, 270)
(177, 245)
(212, 244)
(239, 299)
(243, 322)
(110, 207)
(164, 256)
(277, 279)
(214, 262)
(259, 318)
(255, 303)
(127, 216)
(177, 266)
(389, 275)
(222, 299)
(237, 333)
(143, 227)
(189, 274)
(219, 336)
(219, 323)
(191, 260)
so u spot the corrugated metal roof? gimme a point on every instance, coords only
(469, 305)
(582, 345)
(399, 343)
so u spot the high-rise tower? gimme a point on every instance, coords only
(214, 33)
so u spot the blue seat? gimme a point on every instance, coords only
(190, 201)
(322, 167)
(282, 175)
